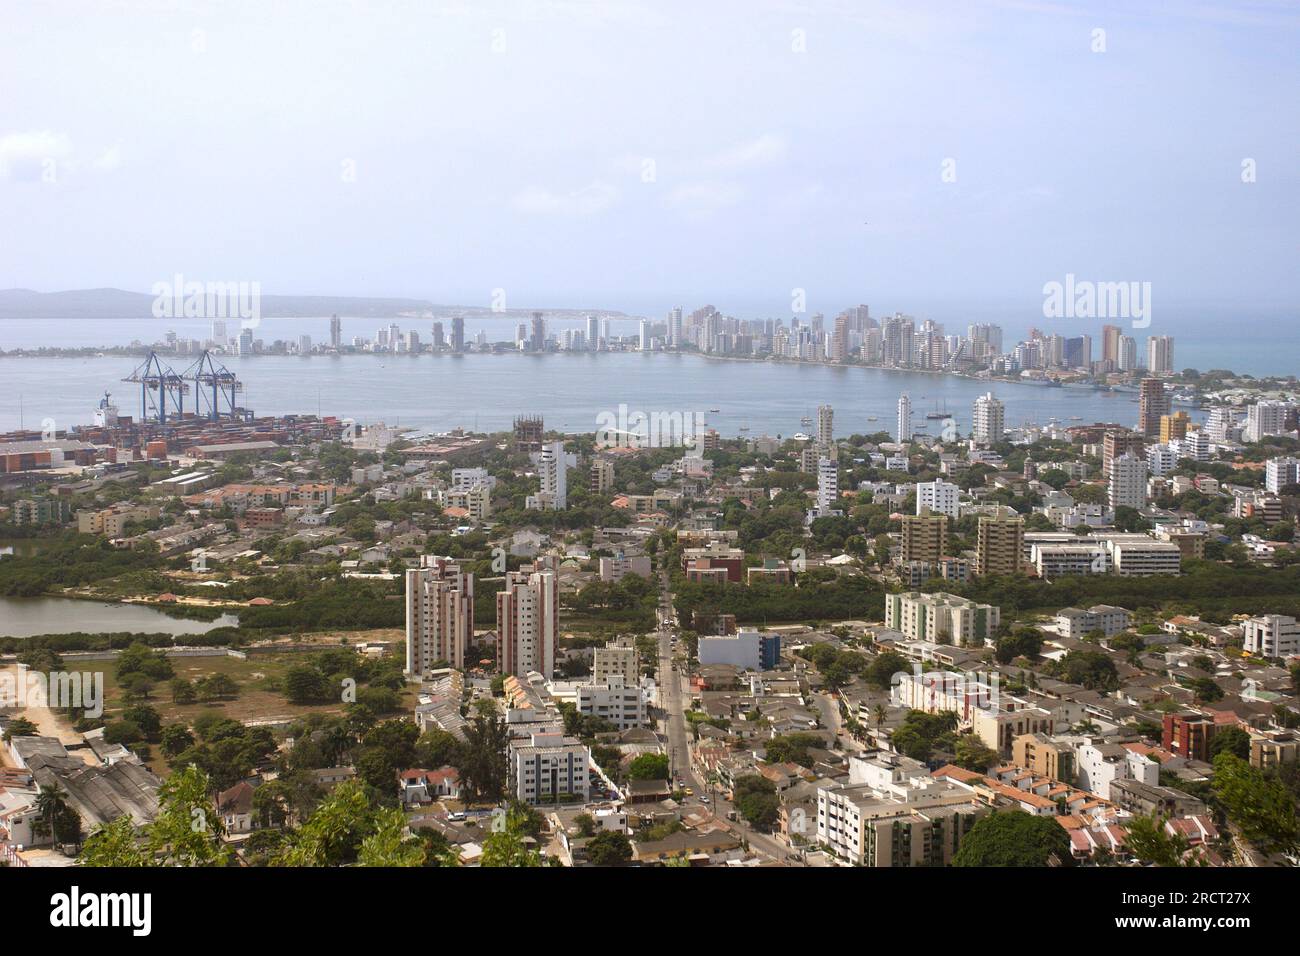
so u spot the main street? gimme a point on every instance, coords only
(673, 698)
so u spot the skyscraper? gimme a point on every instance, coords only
(1110, 336)
(528, 620)
(336, 331)
(825, 425)
(675, 328)
(439, 615)
(1153, 403)
(457, 333)
(645, 335)
(828, 485)
(988, 424)
(593, 333)
(999, 543)
(1160, 354)
(553, 473)
(537, 343)
(904, 429)
(1128, 482)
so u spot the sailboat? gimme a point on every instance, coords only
(937, 415)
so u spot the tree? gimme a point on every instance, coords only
(20, 727)
(186, 831)
(114, 845)
(333, 834)
(175, 738)
(1231, 740)
(755, 797)
(55, 817)
(1023, 642)
(386, 846)
(880, 672)
(1014, 838)
(648, 767)
(1148, 840)
(609, 848)
(1206, 690)
(973, 755)
(1260, 806)
(483, 759)
(586, 824)
(505, 845)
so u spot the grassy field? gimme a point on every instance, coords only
(256, 676)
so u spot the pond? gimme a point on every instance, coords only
(26, 617)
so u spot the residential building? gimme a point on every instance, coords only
(924, 538)
(870, 830)
(1271, 635)
(1188, 735)
(602, 476)
(439, 615)
(999, 544)
(748, 650)
(616, 661)
(904, 430)
(550, 768)
(938, 497)
(1127, 486)
(1075, 622)
(616, 568)
(528, 617)
(988, 423)
(623, 705)
(941, 618)
(1044, 756)
(1153, 403)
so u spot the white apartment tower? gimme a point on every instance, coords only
(553, 472)
(938, 497)
(1128, 482)
(1160, 354)
(439, 615)
(828, 485)
(988, 424)
(904, 418)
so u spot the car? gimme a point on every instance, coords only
(689, 792)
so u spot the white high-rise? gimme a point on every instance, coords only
(938, 497)
(988, 423)
(552, 470)
(1265, 418)
(645, 335)
(828, 485)
(1128, 482)
(593, 333)
(905, 432)
(1160, 354)
(675, 327)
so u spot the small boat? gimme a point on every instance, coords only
(744, 428)
(715, 410)
(872, 418)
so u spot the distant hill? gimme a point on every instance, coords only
(120, 304)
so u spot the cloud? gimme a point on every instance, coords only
(31, 155)
(763, 151)
(705, 198)
(590, 200)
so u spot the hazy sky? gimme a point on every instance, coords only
(637, 155)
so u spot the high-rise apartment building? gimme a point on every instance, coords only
(999, 544)
(1153, 404)
(828, 485)
(924, 538)
(439, 615)
(1127, 482)
(988, 423)
(552, 470)
(336, 331)
(1160, 354)
(528, 620)
(904, 430)
(601, 477)
(938, 497)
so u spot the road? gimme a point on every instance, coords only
(673, 698)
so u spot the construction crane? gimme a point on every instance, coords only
(215, 388)
(160, 389)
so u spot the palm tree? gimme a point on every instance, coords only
(880, 713)
(51, 806)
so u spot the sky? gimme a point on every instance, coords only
(911, 155)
